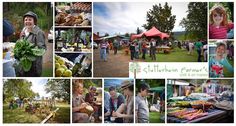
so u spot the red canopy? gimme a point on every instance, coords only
(164, 35)
(136, 36)
(153, 32)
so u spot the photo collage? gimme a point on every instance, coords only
(68, 62)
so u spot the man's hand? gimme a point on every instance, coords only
(116, 114)
(83, 105)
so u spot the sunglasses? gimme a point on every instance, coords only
(215, 15)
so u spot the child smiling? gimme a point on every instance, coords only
(219, 61)
(219, 24)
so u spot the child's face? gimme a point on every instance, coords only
(220, 50)
(217, 18)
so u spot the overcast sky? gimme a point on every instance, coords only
(114, 82)
(38, 86)
(125, 17)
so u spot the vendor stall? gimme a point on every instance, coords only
(73, 39)
(214, 105)
(73, 27)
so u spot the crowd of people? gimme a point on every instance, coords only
(200, 46)
(136, 48)
(140, 48)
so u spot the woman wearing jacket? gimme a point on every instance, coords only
(35, 35)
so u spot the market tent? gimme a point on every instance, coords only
(157, 89)
(164, 35)
(153, 32)
(133, 37)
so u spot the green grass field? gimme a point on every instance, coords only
(62, 115)
(176, 55)
(20, 116)
(47, 72)
(155, 117)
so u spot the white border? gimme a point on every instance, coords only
(172, 124)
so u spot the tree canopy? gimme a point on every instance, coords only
(92, 82)
(138, 31)
(161, 18)
(152, 82)
(59, 88)
(20, 88)
(196, 21)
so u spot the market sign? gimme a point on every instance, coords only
(168, 70)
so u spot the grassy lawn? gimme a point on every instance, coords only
(176, 55)
(47, 72)
(155, 117)
(20, 116)
(62, 115)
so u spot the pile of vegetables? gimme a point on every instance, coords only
(188, 114)
(27, 53)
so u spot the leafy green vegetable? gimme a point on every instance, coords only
(26, 53)
(38, 52)
(25, 63)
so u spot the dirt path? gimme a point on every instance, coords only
(48, 57)
(116, 66)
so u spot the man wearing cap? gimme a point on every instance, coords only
(35, 35)
(126, 110)
(141, 104)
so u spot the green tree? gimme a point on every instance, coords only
(138, 31)
(196, 21)
(20, 88)
(59, 88)
(127, 35)
(152, 83)
(106, 34)
(161, 18)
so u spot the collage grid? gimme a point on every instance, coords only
(74, 65)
